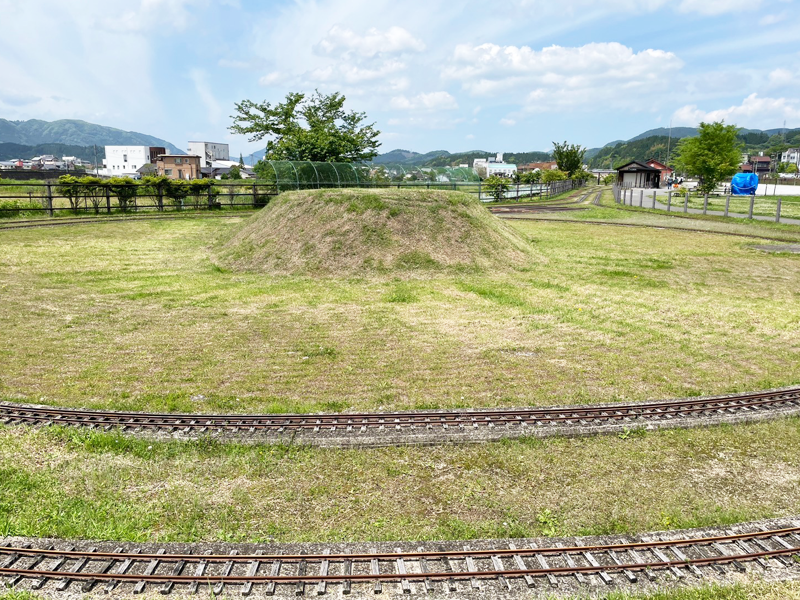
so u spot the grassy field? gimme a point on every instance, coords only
(763, 205)
(73, 484)
(136, 316)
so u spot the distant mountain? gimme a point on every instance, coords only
(677, 133)
(443, 158)
(75, 133)
(9, 151)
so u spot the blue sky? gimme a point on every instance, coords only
(512, 75)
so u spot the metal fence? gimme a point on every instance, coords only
(52, 199)
(777, 209)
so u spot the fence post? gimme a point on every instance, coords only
(480, 183)
(727, 204)
(108, 198)
(752, 202)
(255, 191)
(778, 212)
(686, 203)
(49, 199)
(705, 204)
(654, 199)
(518, 191)
(209, 197)
(669, 200)
(160, 192)
(641, 198)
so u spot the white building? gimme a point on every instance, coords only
(792, 155)
(210, 152)
(487, 167)
(125, 160)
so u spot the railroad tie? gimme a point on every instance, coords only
(121, 570)
(55, 566)
(543, 563)
(374, 569)
(522, 567)
(89, 584)
(473, 581)
(275, 571)
(423, 568)
(497, 563)
(252, 570)
(401, 570)
(198, 572)
(322, 586)
(302, 567)
(151, 568)
(347, 569)
(63, 584)
(571, 563)
(605, 577)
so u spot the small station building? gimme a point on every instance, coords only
(639, 175)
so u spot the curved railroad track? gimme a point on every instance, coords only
(486, 567)
(420, 427)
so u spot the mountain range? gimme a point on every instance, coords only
(75, 133)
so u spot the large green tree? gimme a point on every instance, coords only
(712, 156)
(315, 128)
(568, 157)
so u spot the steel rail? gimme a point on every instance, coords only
(613, 413)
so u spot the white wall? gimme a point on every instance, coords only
(125, 160)
(203, 149)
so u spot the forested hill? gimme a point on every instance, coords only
(625, 152)
(86, 153)
(656, 147)
(75, 133)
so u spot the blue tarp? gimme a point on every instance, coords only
(744, 184)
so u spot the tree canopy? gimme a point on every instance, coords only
(316, 128)
(713, 156)
(568, 157)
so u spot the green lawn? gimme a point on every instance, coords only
(75, 484)
(136, 316)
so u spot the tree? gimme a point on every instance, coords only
(531, 177)
(712, 156)
(496, 187)
(791, 168)
(241, 160)
(552, 175)
(315, 129)
(568, 157)
(125, 189)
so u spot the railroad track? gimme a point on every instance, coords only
(550, 206)
(441, 567)
(435, 426)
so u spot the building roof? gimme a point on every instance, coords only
(760, 158)
(658, 165)
(635, 166)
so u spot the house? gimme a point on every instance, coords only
(122, 161)
(638, 174)
(666, 172)
(791, 156)
(210, 152)
(178, 166)
(761, 165)
(538, 166)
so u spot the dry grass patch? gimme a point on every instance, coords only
(354, 232)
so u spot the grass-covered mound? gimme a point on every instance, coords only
(352, 231)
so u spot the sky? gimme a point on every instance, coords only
(506, 76)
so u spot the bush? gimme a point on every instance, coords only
(496, 187)
(18, 208)
(554, 175)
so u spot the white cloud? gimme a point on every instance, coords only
(432, 101)
(771, 19)
(752, 112)
(342, 41)
(507, 122)
(718, 7)
(781, 77)
(556, 76)
(578, 7)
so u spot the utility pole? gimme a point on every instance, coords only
(669, 141)
(95, 159)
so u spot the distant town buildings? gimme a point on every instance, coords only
(791, 156)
